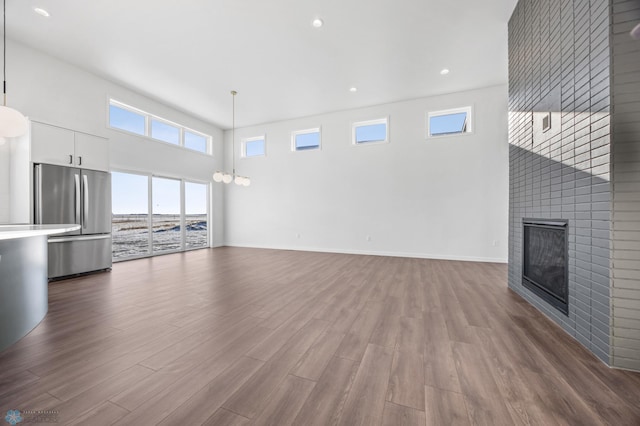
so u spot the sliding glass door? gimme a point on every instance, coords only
(167, 218)
(130, 218)
(157, 215)
(196, 220)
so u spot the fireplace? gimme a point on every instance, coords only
(545, 261)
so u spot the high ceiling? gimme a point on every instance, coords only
(190, 54)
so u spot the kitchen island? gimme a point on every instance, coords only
(23, 278)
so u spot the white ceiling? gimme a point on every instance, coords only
(191, 53)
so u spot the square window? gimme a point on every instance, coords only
(125, 119)
(449, 122)
(373, 131)
(254, 147)
(305, 140)
(165, 132)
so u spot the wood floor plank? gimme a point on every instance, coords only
(411, 306)
(209, 399)
(355, 342)
(242, 328)
(562, 402)
(313, 363)
(366, 399)
(224, 417)
(254, 394)
(411, 335)
(397, 415)
(439, 366)
(17, 380)
(32, 400)
(445, 408)
(324, 405)
(479, 387)
(65, 383)
(162, 404)
(98, 394)
(387, 329)
(404, 388)
(281, 335)
(457, 325)
(211, 333)
(284, 405)
(343, 320)
(522, 401)
(105, 414)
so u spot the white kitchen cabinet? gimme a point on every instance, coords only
(52, 145)
(64, 147)
(91, 152)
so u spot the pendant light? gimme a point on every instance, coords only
(12, 122)
(226, 177)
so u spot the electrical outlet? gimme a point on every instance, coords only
(369, 238)
(298, 236)
(496, 243)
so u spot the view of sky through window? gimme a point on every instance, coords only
(448, 124)
(165, 132)
(132, 120)
(371, 133)
(304, 141)
(255, 147)
(195, 141)
(195, 198)
(124, 119)
(129, 193)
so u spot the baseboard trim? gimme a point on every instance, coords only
(374, 253)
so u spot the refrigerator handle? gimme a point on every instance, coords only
(85, 181)
(77, 194)
(39, 194)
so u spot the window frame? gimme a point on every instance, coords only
(470, 121)
(308, 131)
(243, 146)
(148, 118)
(356, 124)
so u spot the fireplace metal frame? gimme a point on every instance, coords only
(532, 285)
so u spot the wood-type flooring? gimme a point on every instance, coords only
(234, 336)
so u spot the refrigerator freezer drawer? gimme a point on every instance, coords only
(77, 255)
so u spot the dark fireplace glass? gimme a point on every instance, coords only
(545, 261)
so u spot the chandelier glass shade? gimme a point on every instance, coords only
(226, 177)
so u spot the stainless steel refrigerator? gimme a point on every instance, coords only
(71, 195)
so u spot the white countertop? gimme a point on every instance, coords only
(8, 232)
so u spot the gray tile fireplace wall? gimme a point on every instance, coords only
(625, 289)
(559, 70)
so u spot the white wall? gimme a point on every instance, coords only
(435, 198)
(51, 91)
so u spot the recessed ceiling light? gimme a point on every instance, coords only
(41, 12)
(317, 22)
(353, 89)
(444, 71)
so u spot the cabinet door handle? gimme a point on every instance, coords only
(70, 159)
(79, 160)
